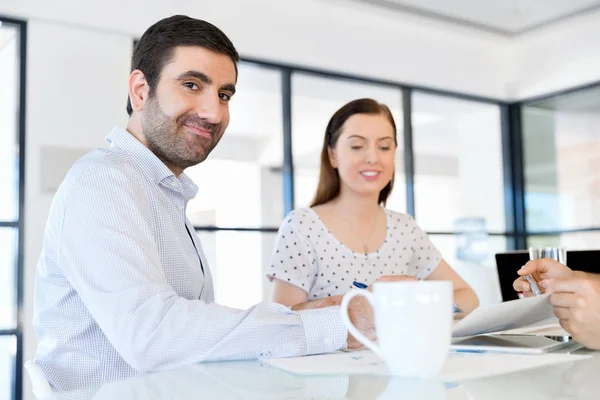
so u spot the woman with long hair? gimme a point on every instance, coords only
(347, 235)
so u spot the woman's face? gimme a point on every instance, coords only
(365, 154)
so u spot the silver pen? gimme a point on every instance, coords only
(534, 287)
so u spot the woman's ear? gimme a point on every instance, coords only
(332, 157)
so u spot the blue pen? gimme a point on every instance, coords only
(467, 351)
(359, 285)
(363, 286)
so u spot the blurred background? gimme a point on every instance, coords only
(497, 106)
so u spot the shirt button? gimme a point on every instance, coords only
(265, 354)
(328, 342)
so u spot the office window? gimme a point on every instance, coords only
(11, 159)
(8, 260)
(479, 271)
(240, 183)
(239, 262)
(9, 132)
(570, 241)
(8, 352)
(486, 250)
(314, 101)
(561, 140)
(457, 150)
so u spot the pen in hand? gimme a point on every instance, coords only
(534, 287)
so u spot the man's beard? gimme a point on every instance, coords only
(171, 142)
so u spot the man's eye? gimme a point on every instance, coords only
(191, 85)
(224, 96)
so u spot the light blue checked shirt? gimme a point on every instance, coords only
(120, 289)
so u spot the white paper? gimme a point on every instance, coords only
(549, 327)
(458, 366)
(504, 316)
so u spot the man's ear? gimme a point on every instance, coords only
(138, 90)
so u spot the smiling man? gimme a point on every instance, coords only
(122, 285)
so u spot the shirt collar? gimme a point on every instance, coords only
(150, 164)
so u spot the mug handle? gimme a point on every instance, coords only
(346, 318)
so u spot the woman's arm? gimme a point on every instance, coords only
(291, 269)
(287, 294)
(464, 297)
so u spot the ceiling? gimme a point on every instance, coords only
(507, 17)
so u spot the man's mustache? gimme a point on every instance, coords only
(200, 123)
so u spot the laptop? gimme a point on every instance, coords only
(525, 344)
(509, 263)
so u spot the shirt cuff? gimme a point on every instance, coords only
(324, 329)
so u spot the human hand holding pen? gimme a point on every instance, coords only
(540, 270)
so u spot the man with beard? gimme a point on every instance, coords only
(122, 285)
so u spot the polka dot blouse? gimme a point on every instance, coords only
(309, 257)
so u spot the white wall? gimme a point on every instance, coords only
(557, 57)
(337, 35)
(345, 36)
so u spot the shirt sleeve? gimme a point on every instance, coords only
(293, 259)
(109, 255)
(425, 256)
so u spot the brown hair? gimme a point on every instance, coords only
(329, 178)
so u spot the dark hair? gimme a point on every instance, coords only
(156, 46)
(329, 177)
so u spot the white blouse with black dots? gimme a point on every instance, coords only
(309, 257)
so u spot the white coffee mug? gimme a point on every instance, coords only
(413, 321)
